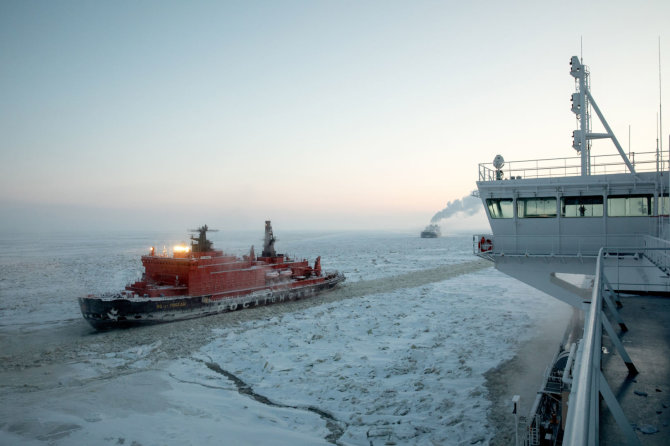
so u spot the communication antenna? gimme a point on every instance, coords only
(660, 122)
(658, 153)
(660, 114)
(659, 138)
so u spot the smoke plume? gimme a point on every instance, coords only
(467, 205)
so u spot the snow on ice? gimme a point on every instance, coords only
(397, 361)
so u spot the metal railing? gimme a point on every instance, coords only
(641, 246)
(588, 380)
(571, 166)
(658, 252)
(646, 270)
(623, 267)
(556, 245)
(639, 263)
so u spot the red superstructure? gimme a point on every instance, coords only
(194, 272)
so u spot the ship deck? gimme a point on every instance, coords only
(644, 398)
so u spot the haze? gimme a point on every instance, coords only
(316, 114)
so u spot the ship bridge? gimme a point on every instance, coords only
(552, 216)
(591, 231)
(548, 221)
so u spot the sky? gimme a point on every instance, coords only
(315, 114)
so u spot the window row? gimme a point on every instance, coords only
(581, 206)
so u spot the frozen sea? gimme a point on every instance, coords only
(396, 355)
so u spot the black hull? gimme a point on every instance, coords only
(105, 314)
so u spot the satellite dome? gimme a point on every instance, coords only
(498, 162)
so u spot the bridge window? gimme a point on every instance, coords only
(591, 206)
(629, 205)
(536, 207)
(500, 207)
(663, 205)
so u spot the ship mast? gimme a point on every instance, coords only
(200, 243)
(581, 100)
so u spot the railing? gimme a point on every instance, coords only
(571, 166)
(659, 254)
(632, 255)
(625, 267)
(588, 381)
(637, 271)
(557, 245)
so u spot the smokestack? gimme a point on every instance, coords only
(467, 205)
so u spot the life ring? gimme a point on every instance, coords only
(485, 245)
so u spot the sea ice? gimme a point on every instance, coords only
(397, 355)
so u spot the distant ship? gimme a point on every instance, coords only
(199, 281)
(431, 231)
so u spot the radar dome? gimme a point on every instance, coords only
(498, 162)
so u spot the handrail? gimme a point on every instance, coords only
(579, 429)
(561, 245)
(571, 166)
(589, 383)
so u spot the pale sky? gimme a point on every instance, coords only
(315, 114)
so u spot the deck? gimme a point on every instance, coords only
(647, 341)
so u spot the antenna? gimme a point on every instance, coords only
(657, 137)
(581, 49)
(660, 97)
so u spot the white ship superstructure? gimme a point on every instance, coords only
(584, 229)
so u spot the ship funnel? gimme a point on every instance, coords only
(269, 243)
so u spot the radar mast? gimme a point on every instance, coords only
(581, 100)
(200, 243)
